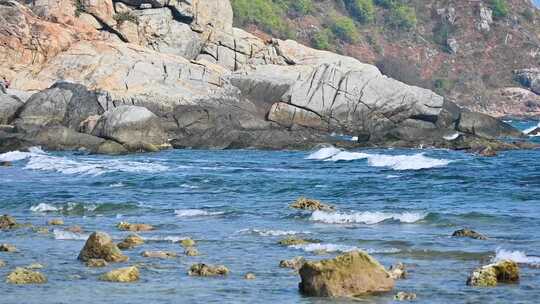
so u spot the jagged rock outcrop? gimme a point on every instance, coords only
(146, 71)
(505, 271)
(100, 246)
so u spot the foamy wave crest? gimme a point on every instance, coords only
(39, 160)
(43, 207)
(195, 213)
(365, 217)
(517, 256)
(168, 238)
(263, 232)
(318, 247)
(396, 162)
(529, 130)
(68, 235)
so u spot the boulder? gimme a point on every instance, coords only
(529, 78)
(186, 243)
(9, 105)
(134, 127)
(191, 251)
(159, 254)
(204, 270)
(100, 246)
(505, 271)
(398, 271)
(56, 222)
(7, 222)
(485, 126)
(134, 227)
(25, 276)
(7, 248)
(352, 274)
(131, 241)
(294, 263)
(63, 138)
(310, 204)
(405, 296)
(469, 233)
(122, 275)
(96, 263)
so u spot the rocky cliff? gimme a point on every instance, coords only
(142, 75)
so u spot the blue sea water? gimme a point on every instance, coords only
(400, 205)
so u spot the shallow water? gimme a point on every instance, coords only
(399, 205)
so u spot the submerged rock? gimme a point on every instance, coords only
(250, 276)
(2, 263)
(505, 271)
(25, 276)
(7, 248)
(352, 274)
(96, 263)
(398, 271)
(100, 246)
(291, 241)
(405, 296)
(469, 233)
(159, 254)
(7, 222)
(204, 270)
(122, 275)
(191, 251)
(134, 227)
(310, 204)
(186, 243)
(56, 222)
(294, 263)
(131, 241)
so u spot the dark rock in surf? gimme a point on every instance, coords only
(469, 233)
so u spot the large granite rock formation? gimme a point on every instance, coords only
(204, 84)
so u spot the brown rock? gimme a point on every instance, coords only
(204, 270)
(159, 254)
(7, 248)
(505, 271)
(100, 246)
(7, 222)
(310, 204)
(25, 276)
(134, 227)
(131, 241)
(187, 243)
(56, 222)
(398, 271)
(294, 263)
(469, 233)
(96, 263)
(352, 274)
(290, 241)
(122, 275)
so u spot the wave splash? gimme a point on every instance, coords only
(196, 213)
(396, 162)
(264, 232)
(366, 217)
(318, 247)
(42, 161)
(519, 257)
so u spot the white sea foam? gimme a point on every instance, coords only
(195, 213)
(43, 207)
(39, 160)
(451, 137)
(519, 257)
(396, 162)
(529, 130)
(68, 235)
(117, 185)
(188, 186)
(168, 238)
(316, 247)
(264, 232)
(366, 217)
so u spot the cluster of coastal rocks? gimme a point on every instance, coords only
(133, 75)
(352, 274)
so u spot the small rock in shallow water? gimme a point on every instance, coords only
(204, 270)
(96, 263)
(187, 243)
(134, 227)
(56, 222)
(294, 263)
(405, 296)
(7, 222)
(398, 271)
(505, 271)
(25, 276)
(191, 251)
(352, 274)
(310, 204)
(469, 233)
(7, 248)
(131, 241)
(290, 241)
(122, 275)
(159, 254)
(75, 229)
(100, 246)
(2, 263)
(250, 276)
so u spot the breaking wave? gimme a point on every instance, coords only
(83, 208)
(519, 257)
(263, 232)
(318, 247)
(366, 217)
(195, 213)
(529, 130)
(68, 235)
(396, 162)
(42, 161)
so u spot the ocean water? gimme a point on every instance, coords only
(399, 205)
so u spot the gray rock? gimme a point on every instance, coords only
(9, 105)
(485, 126)
(529, 78)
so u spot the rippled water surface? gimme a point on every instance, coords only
(399, 205)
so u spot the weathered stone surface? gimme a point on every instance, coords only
(294, 263)
(310, 204)
(204, 270)
(134, 127)
(9, 105)
(505, 271)
(398, 271)
(122, 275)
(7, 222)
(96, 263)
(352, 274)
(134, 227)
(25, 276)
(485, 126)
(131, 241)
(100, 246)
